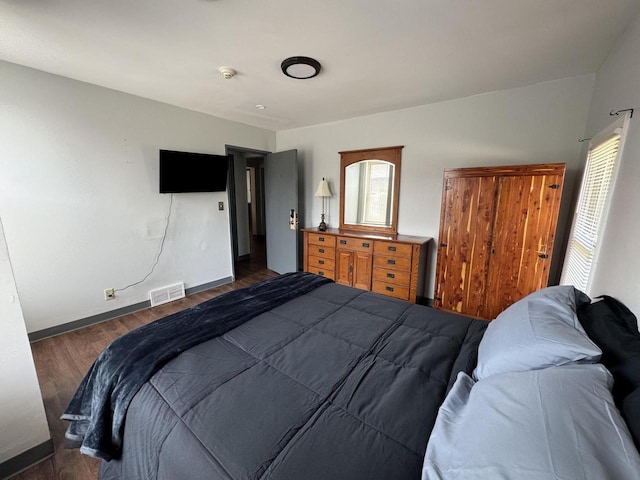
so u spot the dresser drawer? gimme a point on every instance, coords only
(321, 251)
(392, 248)
(319, 262)
(322, 272)
(397, 277)
(391, 290)
(356, 244)
(392, 263)
(320, 239)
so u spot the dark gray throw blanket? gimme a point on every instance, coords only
(98, 409)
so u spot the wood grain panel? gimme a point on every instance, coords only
(392, 248)
(323, 272)
(344, 267)
(523, 238)
(327, 263)
(321, 239)
(362, 270)
(392, 263)
(392, 276)
(463, 245)
(390, 289)
(357, 244)
(321, 251)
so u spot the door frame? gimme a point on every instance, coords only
(232, 150)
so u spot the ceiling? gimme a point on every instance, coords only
(376, 55)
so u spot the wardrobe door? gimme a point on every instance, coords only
(523, 235)
(466, 223)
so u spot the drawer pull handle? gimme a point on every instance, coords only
(391, 275)
(343, 242)
(321, 262)
(366, 245)
(321, 239)
(389, 289)
(321, 273)
(392, 249)
(391, 262)
(321, 250)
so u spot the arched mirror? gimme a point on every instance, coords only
(369, 184)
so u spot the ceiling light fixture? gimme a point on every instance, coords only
(300, 67)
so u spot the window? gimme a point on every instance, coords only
(591, 208)
(379, 184)
(369, 195)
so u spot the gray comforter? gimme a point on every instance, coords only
(98, 409)
(334, 384)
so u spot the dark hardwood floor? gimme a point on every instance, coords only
(62, 361)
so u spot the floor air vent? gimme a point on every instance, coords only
(166, 294)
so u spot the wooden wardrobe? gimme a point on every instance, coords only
(497, 228)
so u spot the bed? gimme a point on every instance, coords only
(307, 379)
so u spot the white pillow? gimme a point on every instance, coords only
(560, 423)
(539, 331)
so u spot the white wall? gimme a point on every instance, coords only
(617, 87)
(79, 201)
(22, 419)
(536, 124)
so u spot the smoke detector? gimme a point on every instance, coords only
(227, 72)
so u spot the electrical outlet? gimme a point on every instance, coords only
(109, 294)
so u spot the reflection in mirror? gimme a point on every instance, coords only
(368, 196)
(369, 185)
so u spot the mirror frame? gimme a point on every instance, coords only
(388, 154)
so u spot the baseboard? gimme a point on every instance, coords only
(25, 460)
(424, 301)
(118, 312)
(85, 322)
(208, 286)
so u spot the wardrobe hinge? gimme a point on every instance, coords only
(448, 187)
(443, 244)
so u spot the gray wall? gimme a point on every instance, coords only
(535, 124)
(79, 195)
(618, 86)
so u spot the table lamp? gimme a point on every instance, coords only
(324, 192)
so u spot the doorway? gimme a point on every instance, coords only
(247, 210)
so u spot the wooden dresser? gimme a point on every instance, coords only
(392, 265)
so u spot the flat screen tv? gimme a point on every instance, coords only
(185, 172)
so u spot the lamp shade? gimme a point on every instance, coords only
(323, 189)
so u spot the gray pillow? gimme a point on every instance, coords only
(560, 423)
(539, 331)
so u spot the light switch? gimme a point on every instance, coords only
(220, 205)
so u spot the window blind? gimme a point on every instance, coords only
(592, 202)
